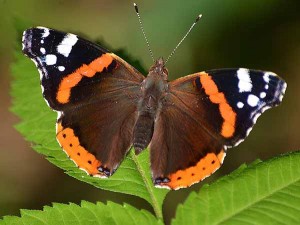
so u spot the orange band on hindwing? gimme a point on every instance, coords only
(71, 80)
(71, 145)
(227, 113)
(204, 168)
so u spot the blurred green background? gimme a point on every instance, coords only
(257, 34)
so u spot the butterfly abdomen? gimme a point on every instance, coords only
(143, 131)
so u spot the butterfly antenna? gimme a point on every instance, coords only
(142, 28)
(187, 33)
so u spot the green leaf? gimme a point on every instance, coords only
(87, 213)
(262, 193)
(38, 126)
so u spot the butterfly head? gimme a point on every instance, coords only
(159, 69)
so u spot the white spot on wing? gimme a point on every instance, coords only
(43, 50)
(50, 59)
(61, 68)
(46, 32)
(266, 86)
(262, 95)
(252, 100)
(66, 45)
(245, 83)
(267, 76)
(240, 105)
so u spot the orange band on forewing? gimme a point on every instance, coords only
(71, 80)
(86, 71)
(102, 62)
(71, 145)
(204, 168)
(217, 98)
(209, 85)
(227, 113)
(63, 95)
(227, 129)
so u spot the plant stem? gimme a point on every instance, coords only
(149, 186)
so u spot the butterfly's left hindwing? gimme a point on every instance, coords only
(210, 111)
(94, 92)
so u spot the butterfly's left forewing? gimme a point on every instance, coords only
(203, 115)
(94, 92)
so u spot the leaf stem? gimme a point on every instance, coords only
(157, 209)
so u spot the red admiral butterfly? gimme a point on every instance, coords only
(105, 106)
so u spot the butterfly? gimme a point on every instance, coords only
(105, 107)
